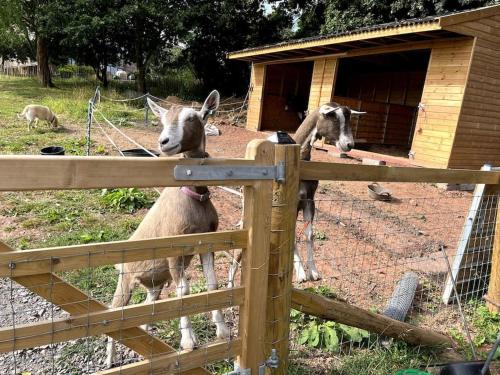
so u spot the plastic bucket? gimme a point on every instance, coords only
(52, 150)
(139, 152)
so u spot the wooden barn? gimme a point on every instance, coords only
(431, 86)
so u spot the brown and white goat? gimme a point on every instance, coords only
(332, 122)
(177, 211)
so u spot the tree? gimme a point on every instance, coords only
(214, 28)
(150, 27)
(333, 16)
(28, 20)
(92, 32)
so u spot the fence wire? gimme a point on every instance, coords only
(364, 248)
(21, 309)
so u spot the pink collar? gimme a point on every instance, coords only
(192, 194)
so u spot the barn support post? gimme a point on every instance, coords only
(146, 109)
(283, 220)
(255, 261)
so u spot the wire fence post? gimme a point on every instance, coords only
(90, 115)
(146, 109)
(89, 123)
(283, 221)
(257, 214)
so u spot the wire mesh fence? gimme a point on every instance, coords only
(76, 345)
(374, 254)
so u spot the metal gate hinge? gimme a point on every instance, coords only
(211, 173)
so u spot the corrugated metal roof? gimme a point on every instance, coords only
(383, 26)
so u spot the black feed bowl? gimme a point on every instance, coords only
(139, 152)
(52, 150)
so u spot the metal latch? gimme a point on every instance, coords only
(272, 362)
(211, 173)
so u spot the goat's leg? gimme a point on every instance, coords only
(30, 123)
(188, 338)
(297, 264)
(121, 297)
(207, 261)
(233, 268)
(153, 294)
(309, 211)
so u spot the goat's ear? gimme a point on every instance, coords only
(326, 109)
(211, 104)
(157, 110)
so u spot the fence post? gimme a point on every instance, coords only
(254, 270)
(146, 110)
(493, 295)
(283, 221)
(90, 110)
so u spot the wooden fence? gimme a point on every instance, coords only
(267, 239)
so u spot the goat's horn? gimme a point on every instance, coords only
(353, 112)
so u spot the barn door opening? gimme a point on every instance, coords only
(389, 87)
(286, 95)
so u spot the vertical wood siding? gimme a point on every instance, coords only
(256, 94)
(442, 100)
(322, 82)
(477, 139)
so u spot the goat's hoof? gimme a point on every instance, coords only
(314, 276)
(223, 331)
(302, 278)
(189, 342)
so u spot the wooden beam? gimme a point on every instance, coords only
(283, 222)
(113, 320)
(341, 312)
(255, 262)
(370, 34)
(19, 173)
(179, 361)
(471, 15)
(72, 300)
(310, 170)
(56, 259)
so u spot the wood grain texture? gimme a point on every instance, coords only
(255, 261)
(310, 170)
(341, 312)
(254, 112)
(56, 259)
(283, 222)
(179, 362)
(111, 320)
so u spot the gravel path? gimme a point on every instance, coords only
(20, 306)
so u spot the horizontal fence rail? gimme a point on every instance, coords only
(97, 323)
(178, 362)
(20, 173)
(311, 170)
(38, 261)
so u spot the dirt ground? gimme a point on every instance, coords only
(362, 246)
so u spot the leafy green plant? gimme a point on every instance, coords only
(320, 235)
(485, 324)
(322, 334)
(128, 199)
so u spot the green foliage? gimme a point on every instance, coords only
(70, 71)
(486, 324)
(321, 334)
(126, 199)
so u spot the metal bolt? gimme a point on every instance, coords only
(12, 265)
(189, 172)
(229, 173)
(105, 322)
(264, 172)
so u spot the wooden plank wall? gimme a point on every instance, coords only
(323, 81)
(256, 95)
(442, 99)
(477, 140)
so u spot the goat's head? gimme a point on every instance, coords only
(334, 124)
(184, 127)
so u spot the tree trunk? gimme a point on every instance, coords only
(104, 77)
(141, 77)
(42, 58)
